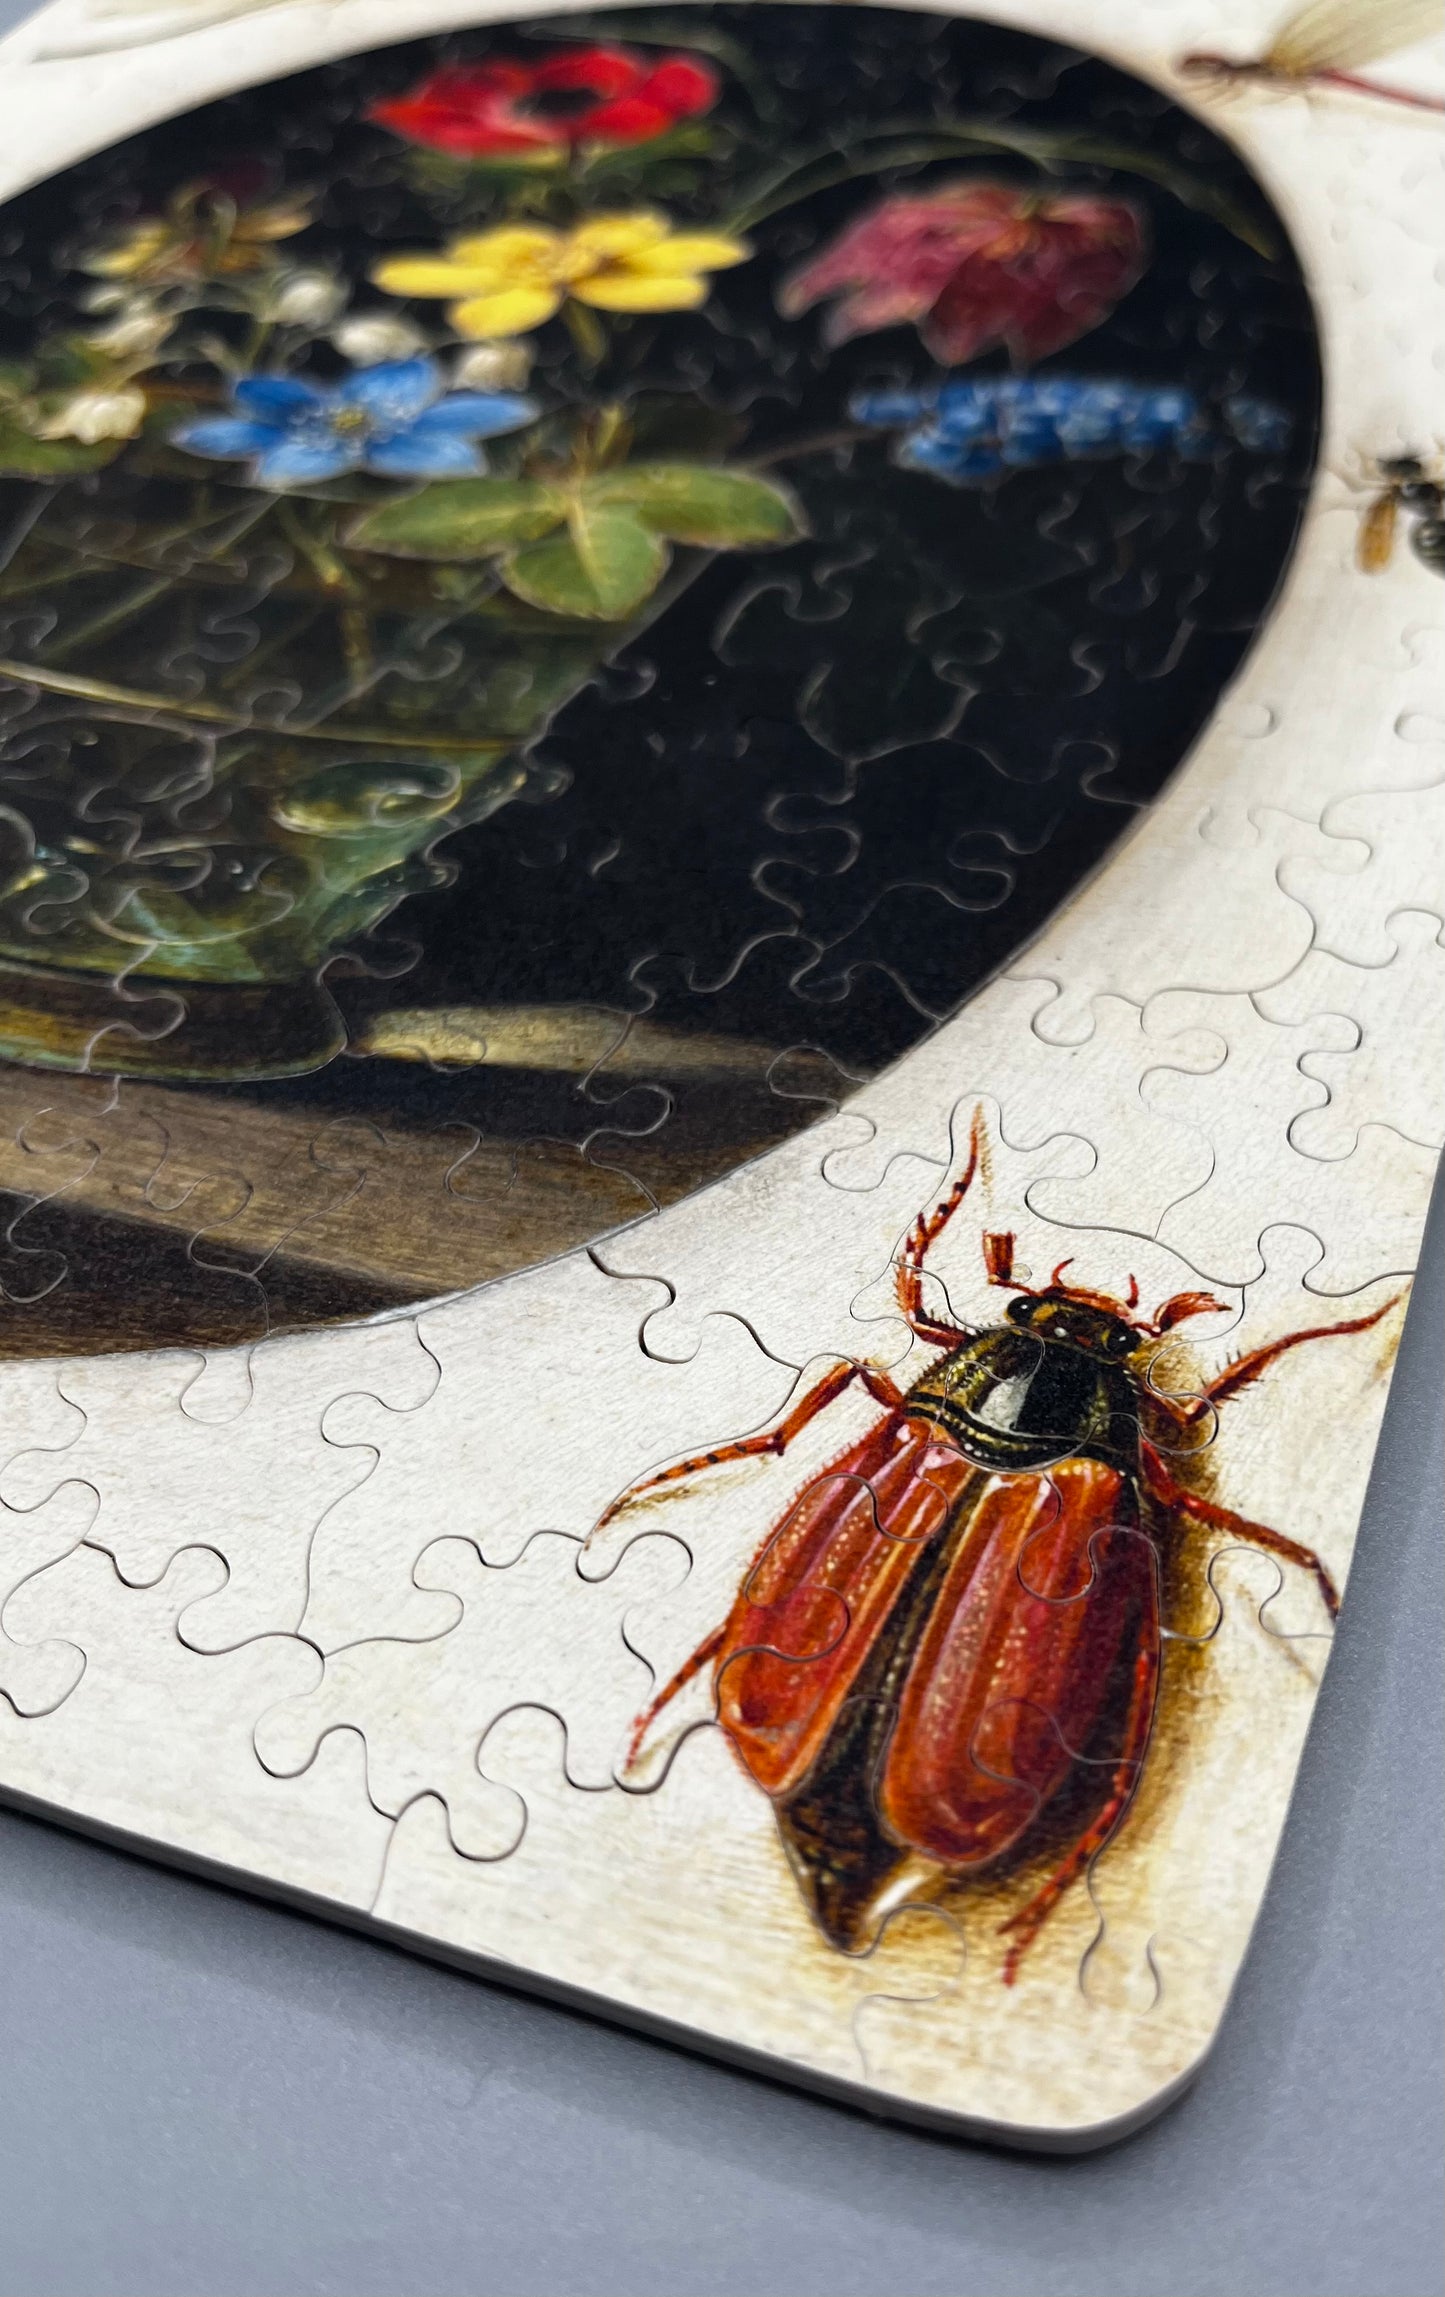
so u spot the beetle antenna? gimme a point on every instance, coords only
(1058, 1272)
(925, 1232)
(1133, 1299)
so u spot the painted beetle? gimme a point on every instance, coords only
(948, 1653)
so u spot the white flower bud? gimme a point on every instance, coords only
(109, 296)
(492, 367)
(133, 334)
(303, 298)
(367, 338)
(91, 416)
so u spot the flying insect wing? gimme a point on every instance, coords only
(1340, 35)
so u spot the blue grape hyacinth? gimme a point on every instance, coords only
(397, 420)
(968, 431)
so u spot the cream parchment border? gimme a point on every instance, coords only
(407, 1496)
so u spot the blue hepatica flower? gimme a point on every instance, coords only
(397, 420)
(968, 431)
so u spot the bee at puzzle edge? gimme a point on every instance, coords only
(1407, 487)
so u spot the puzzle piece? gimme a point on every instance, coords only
(184, 1721)
(36, 1677)
(1362, 1208)
(1365, 1085)
(484, 1907)
(1389, 861)
(251, 1494)
(580, 1337)
(537, 1633)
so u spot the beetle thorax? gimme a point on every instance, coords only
(1052, 1384)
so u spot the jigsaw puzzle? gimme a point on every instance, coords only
(722, 931)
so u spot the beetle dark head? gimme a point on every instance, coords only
(1091, 1321)
(1064, 1317)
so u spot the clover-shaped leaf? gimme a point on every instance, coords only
(602, 567)
(594, 545)
(702, 504)
(462, 518)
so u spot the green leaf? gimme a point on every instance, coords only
(700, 503)
(68, 362)
(602, 569)
(26, 457)
(461, 518)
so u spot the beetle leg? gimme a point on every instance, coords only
(1029, 1921)
(772, 1440)
(1248, 1369)
(922, 1236)
(706, 1650)
(1207, 1513)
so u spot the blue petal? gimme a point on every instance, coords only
(294, 461)
(1169, 406)
(1090, 430)
(1092, 402)
(926, 451)
(960, 400)
(965, 424)
(225, 435)
(1060, 395)
(1028, 422)
(407, 455)
(889, 410)
(1169, 419)
(394, 393)
(277, 398)
(475, 415)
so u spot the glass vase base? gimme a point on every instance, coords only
(191, 1031)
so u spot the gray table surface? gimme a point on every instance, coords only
(203, 2094)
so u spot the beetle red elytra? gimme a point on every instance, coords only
(949, 1649)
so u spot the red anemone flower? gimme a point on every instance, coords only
(507, 109)
(976, 266)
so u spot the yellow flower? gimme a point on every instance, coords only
(507, 281)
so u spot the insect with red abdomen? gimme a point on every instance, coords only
(949, 1650)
